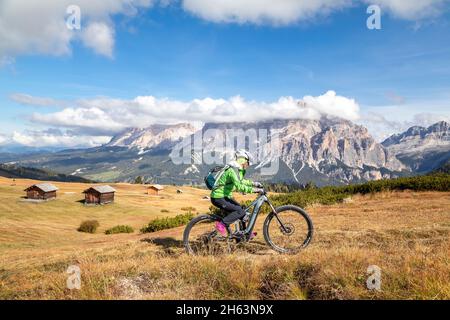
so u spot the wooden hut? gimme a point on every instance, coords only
(99, 195)
(154, 189)
(41, 191)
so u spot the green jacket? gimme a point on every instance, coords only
(231, 181)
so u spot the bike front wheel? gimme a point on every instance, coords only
(289, 230)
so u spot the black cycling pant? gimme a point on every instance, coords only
(231, 207)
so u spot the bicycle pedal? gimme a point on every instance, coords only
(252, 236)
(238, 235)
(241, 237)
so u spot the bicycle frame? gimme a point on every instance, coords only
(257, 204)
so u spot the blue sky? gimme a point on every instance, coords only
(399, 75)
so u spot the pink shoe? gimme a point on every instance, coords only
(254, 234)
(221, 228)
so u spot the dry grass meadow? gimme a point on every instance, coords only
(406, 234)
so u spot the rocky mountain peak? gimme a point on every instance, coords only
(441, 127)
(328, 146)
(421, 149)
(417, 137)
(152, 136)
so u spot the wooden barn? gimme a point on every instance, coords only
(155, 189)
(41, 191)
(99, 195)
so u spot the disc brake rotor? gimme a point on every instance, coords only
(288, 229)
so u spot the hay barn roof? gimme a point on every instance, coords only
(101, 189)
(46, 187)
(157, 186)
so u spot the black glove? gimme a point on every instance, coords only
(258, 190)
(257, 184)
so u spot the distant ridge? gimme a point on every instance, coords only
(17, 172)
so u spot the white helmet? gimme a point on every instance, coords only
(242, 153)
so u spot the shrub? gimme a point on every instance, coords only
(89, 226)
(120, 229)
(164, 211)
(167, 223)
(335, 194)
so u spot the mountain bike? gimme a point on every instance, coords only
(286, 229)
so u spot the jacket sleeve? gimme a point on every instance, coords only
(238, 184)
(244, 181)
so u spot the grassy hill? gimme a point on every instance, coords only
(406, 233)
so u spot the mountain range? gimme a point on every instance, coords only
(325, 151)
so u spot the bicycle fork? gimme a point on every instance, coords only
(283, 228)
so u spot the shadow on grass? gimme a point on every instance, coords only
(169, 245)
(254, 247)
(165, 243)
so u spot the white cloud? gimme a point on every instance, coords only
(285, 12)
(427, 119)
(54, 139)
(108, 116)
(87, 119)
(262, 11)
(412, 10)
(3, 139)
(100, 37)
(92, 122)
(39, 27)
(383, 121)
(331, 104)
(29, 100)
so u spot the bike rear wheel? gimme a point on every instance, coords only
(289, 231)
(201, 237)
